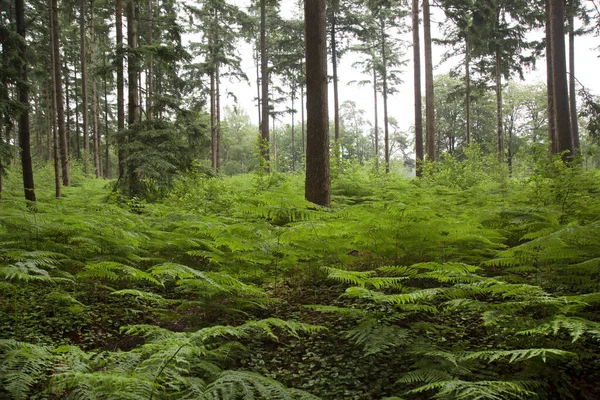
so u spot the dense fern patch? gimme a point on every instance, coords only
(462, 285)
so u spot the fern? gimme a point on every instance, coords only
(492, 390)
(576, 327)
(375, 338)
(114, 271)
(22, 366)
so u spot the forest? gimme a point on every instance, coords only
(156, 242)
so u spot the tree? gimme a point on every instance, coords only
(429, 93)
(264, 76)
(60, 106)
(23, 95)
(417, 87)
(317, 184)
(120, 89)
(559, 79)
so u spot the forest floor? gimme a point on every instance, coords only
(467, 284)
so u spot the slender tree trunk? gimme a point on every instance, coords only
(293, 126)
(376, 115)
(317, 184)
(23, 96)
(552, 138)
(84, 96)
(417, 88)
(559, 79)
(468, 90)
(64, 156)
(55, 155)
(258, 87)
(149, 72)
(213, 121)
(429, 94)
(121, 138)
(49, 117)
(386, 138)
(264, 126)
(107, 147)
(218, 111)
(95, 111)
(302, 118)
(572, 87)
(67, 111)
(499, 117)
(132, 72)
(336, 102)
(77, 129)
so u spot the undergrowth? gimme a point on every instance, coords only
(466, 284)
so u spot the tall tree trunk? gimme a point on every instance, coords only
(336, 103)
(264, 124)
(376, 114)
(49, 118)
(429, 95)
(468, 90)
(559, 79)
(258, 87)
(77, 129)
(55, 155)
(572, 88)
(60, 108)
(95, 111)
(84, 96)
(386, 138)
(213, 121)
(67, 110)
(218, 111)
(132, 72)
(552, 138)
(302, 118)
(107, 159)
(149, 72)
(417, 87)
(120, 95)
(499, 116)
(293, 144)
(23, 96)
(317, 184)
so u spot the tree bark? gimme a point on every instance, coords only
(84, 96)
(317, 184)
(60, 107)
(499, 116)
(120, 87)
(107, 159)
(559, 79)
(386, 138)
(77, 130)
(572, 87)
(55, 155)
(149, 72)
(264, 123)
(336, 104)
(552, 138)
(95, 112)
(429, 94)
(132, 72)
(376, 115)
(23, 96)
(468, 90)
(417, 87)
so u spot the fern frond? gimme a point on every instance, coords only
(247, 386)
(345, 311)
(116, 271)
(490, 390)
(140, 295)
(576, 327)
(428, 375)
(363, 279)
(293, 328)
(106, 384)
(23, 365)
(375, 337)
(515, 355)
(26, 271)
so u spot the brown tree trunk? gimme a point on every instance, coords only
(60, 107)
(468, 91)
(429, 94)
(317, 184)
(293, 144)
(552, 138)
(23, 96)
(302, 118)
(376, 115)
(77, 131)
(218, 111)
(55, 155)
(336, 104)
(213, 121)
(49, 118)
(106, 159)
(572, 88)
(499, 114)
(95, 111)
(417, 87)
(84, 96)
(120, 95)
(149, 72)
(386, 137)
(132, 72)
(67, 110)
(264, 123)
(559, 79)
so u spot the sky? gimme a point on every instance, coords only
(401, 105)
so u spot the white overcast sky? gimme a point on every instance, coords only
(401, 105)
